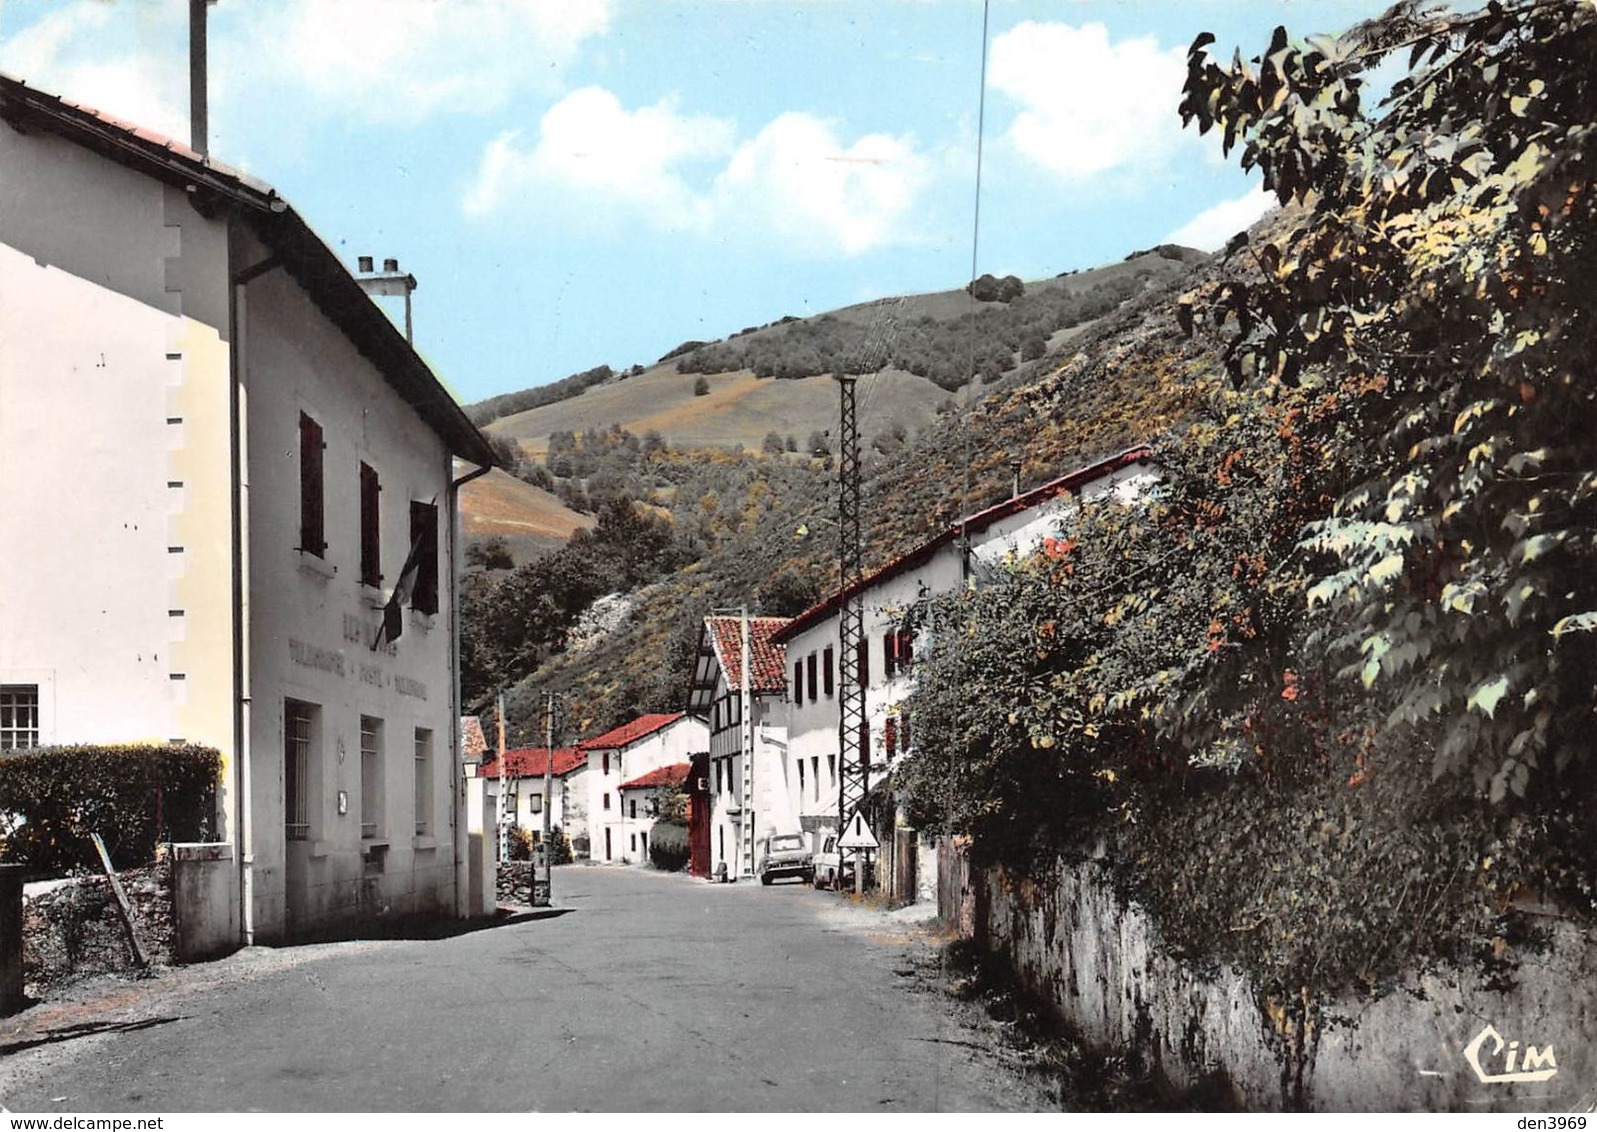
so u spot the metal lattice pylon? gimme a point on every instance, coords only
(852, 768)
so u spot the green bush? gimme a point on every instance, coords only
(668, 846)
(133, 796)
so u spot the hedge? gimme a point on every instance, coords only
(134, 796)
(668, 846)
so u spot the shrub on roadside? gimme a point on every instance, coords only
(668, 846)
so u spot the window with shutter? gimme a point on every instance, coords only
(424, 536)
(371, 568)
(827, 684)
(809, 669)
(890, 737)
(311, 529)
(863, 662)
(887, 655)
(798, 681)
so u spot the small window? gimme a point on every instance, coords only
(906, 648)
(424, 544)
(827, 681)
(606, 758)
(19, 716)
(607, 800)
(889, 737)
(632, 841)
(815, 775)
(798, 681)
(632, 808)
(801, 777)
(299, 768)
(888, 658)
(310, 487)
(863, 663)
(424, 781)
(831, 767)
(371, 566)
(809, 670)
(371, 777)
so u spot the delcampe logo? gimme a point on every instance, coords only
(1534, 1065)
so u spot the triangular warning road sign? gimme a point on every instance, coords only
(858, 835)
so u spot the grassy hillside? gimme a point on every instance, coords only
(529, 519)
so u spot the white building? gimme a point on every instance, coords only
(892, 601)
(646, 743)
(639, 800)
(750, 791)
(523, 785)
(223, 454)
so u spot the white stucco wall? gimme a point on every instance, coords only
(114, 449)
(313, 623)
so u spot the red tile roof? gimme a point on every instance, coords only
(306, 257)
(767, 659)
(629, 733)
(530, 762)
(980, 521)
(674, 775)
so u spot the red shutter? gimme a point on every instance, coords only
(865, 744)
(424, 528)
(888, 658)
(828, 686)
(890, 737)
(863, 655)
(798, 681)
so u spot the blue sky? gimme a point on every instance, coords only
(583, 181)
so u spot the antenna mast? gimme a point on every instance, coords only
(853, 752)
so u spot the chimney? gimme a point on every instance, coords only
(1014, 466)
(364, 264)
(391, 266)
(199, 109)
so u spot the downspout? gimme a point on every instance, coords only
(457, 780)
(238, 422)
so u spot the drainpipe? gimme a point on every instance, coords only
(457, 773)
(238, 427)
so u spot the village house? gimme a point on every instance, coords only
(745, 708)
(893, 601)
(622, 754)
(523, 782)
(240, 488)
(640, 799)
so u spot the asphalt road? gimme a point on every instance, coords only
(638, 991)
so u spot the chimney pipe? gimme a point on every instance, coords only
(391, 265)
(364, 265)
(199, 111)
(1015, 466)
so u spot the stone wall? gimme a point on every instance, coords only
(73, 929)
(1100, 964)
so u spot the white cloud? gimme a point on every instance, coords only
(798, 179)
(795, 178)
(1211, 228)
(81, 50)
(614, 159)
(406, 60)
(1088, 106)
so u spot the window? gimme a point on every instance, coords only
(371, 559)
(827, 684)
(299, 767)
(424, 781)
(906, 648)
(863, 661)
(535, 803)
(718, 785)
(19, 716)
(424, 542)
(801, 777)
(831, 767)
(607, 800)
(888, 657)
(371, 777)
(632, 808)
(632, 842)
(310, 487)
(890, 737)
(865, 744)
(809, 670)
(815, 775)
(798, 681)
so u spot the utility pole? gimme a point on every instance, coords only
(746, 739)
(541, 891)
(499, 816)
(199, 101)
(853, 753)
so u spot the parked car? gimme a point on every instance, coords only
(786, 855)
(832, 868)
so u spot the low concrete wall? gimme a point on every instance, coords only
(205, 897)
(1424, 1046)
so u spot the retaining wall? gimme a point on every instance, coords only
(1423, 1046)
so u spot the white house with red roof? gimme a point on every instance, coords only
(518, 795)
(745, 707)
(639, 807)
(623, 754)
(239, 489)
(893, 601)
